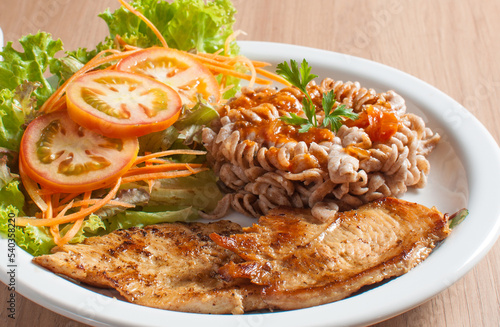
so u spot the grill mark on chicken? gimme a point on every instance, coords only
(169, 266)
(327, 261)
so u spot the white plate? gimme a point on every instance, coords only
(464, 173)
(1, 39)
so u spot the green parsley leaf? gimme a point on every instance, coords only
(300, 77)
(333, 119)
(328, 102)
(294, 119)
(304, 128)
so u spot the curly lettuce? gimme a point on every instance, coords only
(16, 108)
(39, 51)
(185, 24)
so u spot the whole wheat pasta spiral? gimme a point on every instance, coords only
(264, 163)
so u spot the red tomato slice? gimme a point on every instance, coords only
(120, 104)
(185, 74)
(65, 157)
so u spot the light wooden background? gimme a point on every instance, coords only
(453, 45)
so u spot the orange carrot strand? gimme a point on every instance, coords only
(61, 219)
(147, 21)
(32, 189)
(167, 153)
(161, 168)
(163, 175)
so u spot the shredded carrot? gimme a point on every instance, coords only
(160, 168)
(147, 21)
(48, 214)
(158, 161)
(150, 182)
(273, 76)
(227, 88)
(210, 61)
(218, 52)
(250, 66)
(32, 189)
(69, 197)
(77, 225)
(59, 104)
(53, 201)
(191, 169)
(167, 153)
(231, 38)
(61, 241)
(64, 239)
(230, 59)
(223, 86)
(62, 219)
(221, 70)
(219, 65)
(121, 42)
(259, 64)
(85, 203)
(71, 233)
(162, 175)
(247, 62)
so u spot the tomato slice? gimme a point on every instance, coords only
(185, 74)
(65, 157)
(121, 104)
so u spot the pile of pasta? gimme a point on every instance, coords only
(263, 163)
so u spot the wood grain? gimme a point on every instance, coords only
(453, 45)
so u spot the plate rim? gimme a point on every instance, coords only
(300, 317)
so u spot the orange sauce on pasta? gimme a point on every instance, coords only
(278, 132)
(275, 131)
(380, 125)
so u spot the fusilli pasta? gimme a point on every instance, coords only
(265, 163)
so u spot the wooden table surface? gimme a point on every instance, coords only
(453, 45)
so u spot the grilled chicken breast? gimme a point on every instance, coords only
(302, 262)
(169, 266)
(288, 260)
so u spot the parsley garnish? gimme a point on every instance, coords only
(300, 77)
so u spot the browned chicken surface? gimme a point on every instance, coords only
(169, 266)
(302, 262)
(288, 260)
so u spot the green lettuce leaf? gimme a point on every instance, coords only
(184, 132)
(10, 195)
(16, 107)
(185, 24)
(74, 60)
(199, 191)
(30, 65)
(140, 219)
(92, 226)
(35, 240)
(192, 121)
(6, 177)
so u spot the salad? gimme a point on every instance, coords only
(112, 139)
